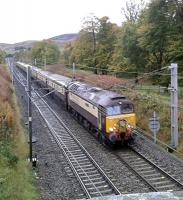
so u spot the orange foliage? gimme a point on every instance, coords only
(6, 112)
(4, 85)
(9, 119)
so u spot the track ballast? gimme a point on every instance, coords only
(156, 178)
(155, 181)
(92, 178)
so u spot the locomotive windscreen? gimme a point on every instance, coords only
(124, 108)
(127, 108)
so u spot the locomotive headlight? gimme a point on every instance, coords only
(111, 129)
(122, 122)
(129, 126)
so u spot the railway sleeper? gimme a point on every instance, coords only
(78, 160)
(77, 157)
(166, 182)
(95, 183)
(70, 147)
(96, 194)
(140, 165)
(144, 168)
(85, 163)
(137, 161)
(152, 172)
(156, 178)
(107, 191)
(85, 179)
(166, 187)
(99, 187)
(90, 174)
(85, 169)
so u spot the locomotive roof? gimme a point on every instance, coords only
(97, 95)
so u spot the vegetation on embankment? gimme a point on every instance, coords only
(16, 181)
(149, 38)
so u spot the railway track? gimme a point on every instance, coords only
(156, 178)
(91, 177)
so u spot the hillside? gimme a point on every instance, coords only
(65, 37)
(61, 40)
(11, 48)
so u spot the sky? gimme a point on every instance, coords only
(22, 20)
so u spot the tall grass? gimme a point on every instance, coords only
(16, 180)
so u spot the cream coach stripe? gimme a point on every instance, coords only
(56, 86)
(84, 104)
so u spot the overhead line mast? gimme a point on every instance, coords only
(29, 111)
(174, 106)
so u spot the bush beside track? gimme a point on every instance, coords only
(16, 181)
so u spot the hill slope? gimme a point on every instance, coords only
(61, 40)
(11, 48)
(65, 37)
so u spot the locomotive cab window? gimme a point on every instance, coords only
(120, 109)
(126, 108)
(114, 110)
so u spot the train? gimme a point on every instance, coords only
(107, 114)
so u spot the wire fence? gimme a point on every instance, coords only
(158, 89)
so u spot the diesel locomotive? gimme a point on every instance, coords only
(107, 114)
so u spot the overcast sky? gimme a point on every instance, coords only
(22, 20)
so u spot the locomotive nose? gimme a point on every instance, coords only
(114, 137)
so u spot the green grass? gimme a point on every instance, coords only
(148, 101)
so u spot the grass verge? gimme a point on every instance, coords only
(16, 180)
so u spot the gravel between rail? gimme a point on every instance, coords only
(54, 177)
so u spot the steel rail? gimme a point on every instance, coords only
(83, 148)
(157, 167)
(61, 145)
(153, 165)
(136, 173)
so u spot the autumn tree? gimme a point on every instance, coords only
(23, 55)
(160, 34)
(132, 10)
(134, 54)
(106, 41)
(176, 34)
(82, 50)
(151, 37)
(91, 26)
(45, 50)
(153, 33)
